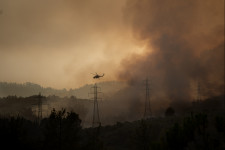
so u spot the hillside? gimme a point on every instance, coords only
(28, 89)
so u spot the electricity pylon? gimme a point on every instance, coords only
(96, 119)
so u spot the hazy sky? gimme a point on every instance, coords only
(185, 45)
(58, 43)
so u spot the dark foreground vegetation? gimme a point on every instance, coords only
(62, 130)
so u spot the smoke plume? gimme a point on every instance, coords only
(184, 46)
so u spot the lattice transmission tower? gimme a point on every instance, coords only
(96, 118)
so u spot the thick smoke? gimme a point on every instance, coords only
(183, 41)
(185, 45)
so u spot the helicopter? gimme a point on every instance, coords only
(96, 76)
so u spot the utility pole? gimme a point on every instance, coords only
(148, 111)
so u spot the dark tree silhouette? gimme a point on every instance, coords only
(169, 112)
(62, 130)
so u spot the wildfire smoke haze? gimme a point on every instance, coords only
(175, 43)
(184, 45)
(112, 74)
